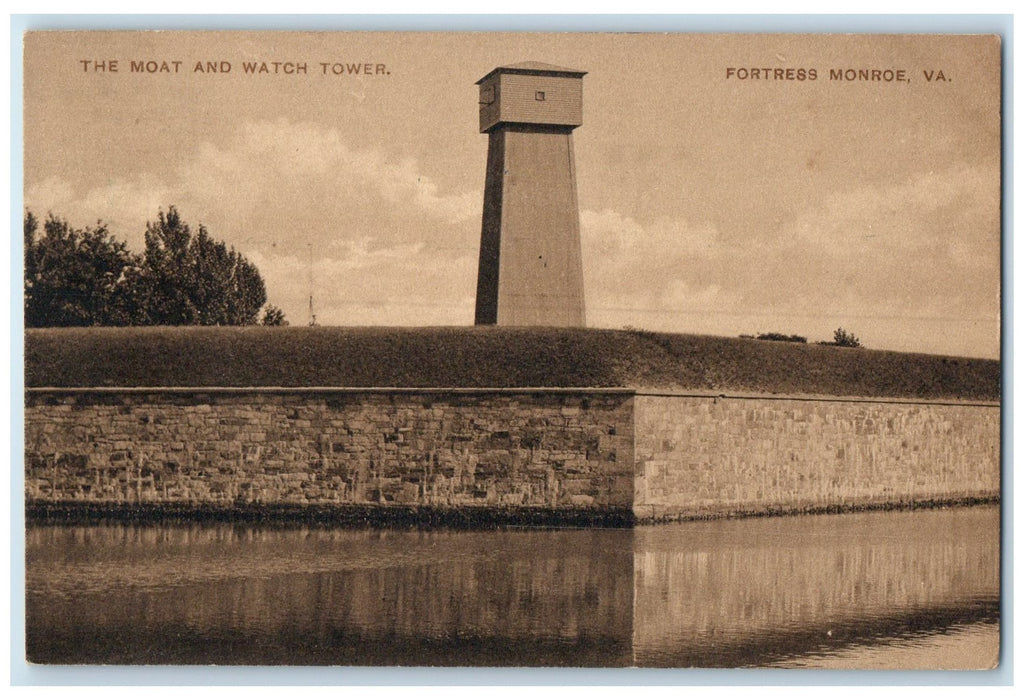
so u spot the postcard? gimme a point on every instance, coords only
(513, 349)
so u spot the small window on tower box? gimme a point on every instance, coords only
(539, 96)
(487, 95)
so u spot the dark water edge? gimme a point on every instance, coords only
(864, 589)
(186, 646)
(342, 516)
(430, 517)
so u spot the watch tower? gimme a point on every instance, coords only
(531, 268)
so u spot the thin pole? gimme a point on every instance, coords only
(312, 314)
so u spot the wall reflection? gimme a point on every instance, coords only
(221, 594)
(719, 593)
(759, 591)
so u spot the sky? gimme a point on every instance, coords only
(711, 201)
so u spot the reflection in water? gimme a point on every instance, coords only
(960, 646)
(223, 594)
(766, 591)
(816, 591)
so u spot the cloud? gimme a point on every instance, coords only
(928, 246)
(384, 237)
(404, 285)
(378, 240)
(956, 208)
(290, 166)
(906, 258)
(123, 205)
(647, 267)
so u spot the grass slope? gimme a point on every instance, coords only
(489, 357)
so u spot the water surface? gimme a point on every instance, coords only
(872, 590)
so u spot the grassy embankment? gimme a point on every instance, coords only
(489, 357)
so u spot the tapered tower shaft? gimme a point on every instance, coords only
(531, 270)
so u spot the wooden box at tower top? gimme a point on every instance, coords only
(532, 94)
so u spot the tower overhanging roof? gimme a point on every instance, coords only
(535, 68)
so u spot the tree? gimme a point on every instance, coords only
(191, 279)
(30, 228)
(844, 339)
(83, 277)
(273, 316)
(783, 337)
(75, 277)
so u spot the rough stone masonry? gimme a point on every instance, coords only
(604, 451)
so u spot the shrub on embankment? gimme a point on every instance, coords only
(488, 357)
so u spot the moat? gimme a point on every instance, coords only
(908, 590)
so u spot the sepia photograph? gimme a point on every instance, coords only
(512, 349)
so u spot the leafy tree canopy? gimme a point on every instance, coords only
(76, 277)
(845, 339)
(273, 316)
(85, 277)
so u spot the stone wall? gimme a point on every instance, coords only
(551, 449)
(705, 455)
(636, 455)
